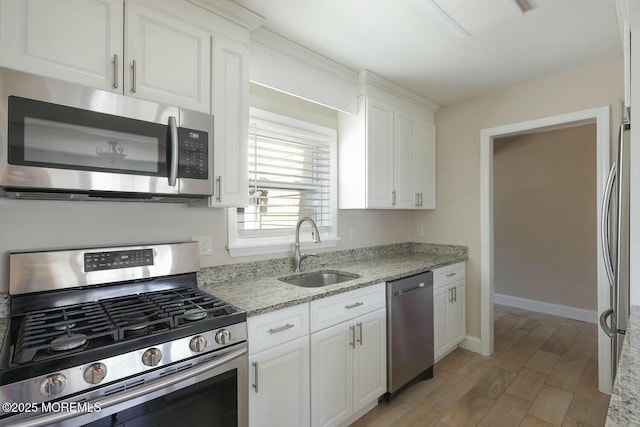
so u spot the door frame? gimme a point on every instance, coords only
(600, 116)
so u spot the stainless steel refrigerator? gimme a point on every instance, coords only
(615, 245)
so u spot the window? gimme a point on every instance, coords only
(292, 174)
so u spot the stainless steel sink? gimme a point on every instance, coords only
(316, 279)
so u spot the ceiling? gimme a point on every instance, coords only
(448, 50)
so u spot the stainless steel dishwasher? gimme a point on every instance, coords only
(409, 330)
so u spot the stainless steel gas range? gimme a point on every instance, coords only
(120, 336)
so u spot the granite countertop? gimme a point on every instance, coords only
(265, 294)
(4, 323)
(624, 406)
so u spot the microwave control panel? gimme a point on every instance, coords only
(193, 154)
(96, 261)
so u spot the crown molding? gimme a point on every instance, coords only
(285, 46)
(233, 12)
(369, 78)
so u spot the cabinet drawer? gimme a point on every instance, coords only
(335, 309)
(448, 274)
(271, 329)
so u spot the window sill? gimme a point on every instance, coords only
(272, 249)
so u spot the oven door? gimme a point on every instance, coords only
(211, 393)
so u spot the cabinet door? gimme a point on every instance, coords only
(332, 374)
(281, 375)
(73, 40)
(379, 139)
(425, 165)
(457, 314)
(231, 112)
(168, 60)
(441, 303)
(370, 364)
(404, 160)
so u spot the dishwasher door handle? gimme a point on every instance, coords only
(406, 291)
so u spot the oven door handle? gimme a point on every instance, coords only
(168, 381)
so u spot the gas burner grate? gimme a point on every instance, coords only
(112, 320)
(36, 337)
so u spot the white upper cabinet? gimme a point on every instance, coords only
(404, 153)
(379, 154)
(168, 59)
(73, 40)
(231, 111)
(387, 151)
(424, 158)
(156, 55)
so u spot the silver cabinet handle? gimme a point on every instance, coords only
(360, 332)
(255, 376)
(219, 185)
(393, 197)
(354, 305)
(451, 274)
(133, 76)
(421, 201)
(455, 294)
(281, 328)
(352, 329)
(605, 224)
(115, 71)
(173, 164)
(418, 199)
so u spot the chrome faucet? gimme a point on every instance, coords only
(297, 256)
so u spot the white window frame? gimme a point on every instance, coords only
(248, 246)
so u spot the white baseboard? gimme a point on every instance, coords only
(472, 344)
(547, 308)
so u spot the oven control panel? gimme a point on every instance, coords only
(97, 261)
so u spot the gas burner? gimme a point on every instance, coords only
(137, 327)
(68, 342)
(64, 327)
(139, 320)
(195, 314)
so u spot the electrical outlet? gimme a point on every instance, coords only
(205, 244)
(420, 230)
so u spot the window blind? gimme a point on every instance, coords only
(289, 178)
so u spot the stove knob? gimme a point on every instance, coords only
(223, 336)
(198, 344)
(95, 373)
(152, 357)
(53, 385)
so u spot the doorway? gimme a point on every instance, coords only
(599, 116)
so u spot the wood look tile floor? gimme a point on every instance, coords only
(543, 372)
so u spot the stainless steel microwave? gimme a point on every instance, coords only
(60, 140)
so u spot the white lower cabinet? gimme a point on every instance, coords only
(449, 324)
(279, 389)
(348, 359)
(279, 368)
(320, 364)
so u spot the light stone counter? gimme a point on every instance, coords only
(624, 406)
(262, 293)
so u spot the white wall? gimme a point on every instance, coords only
(544, 211)
(29, 225)
(457, 217)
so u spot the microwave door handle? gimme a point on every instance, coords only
(173, 163)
